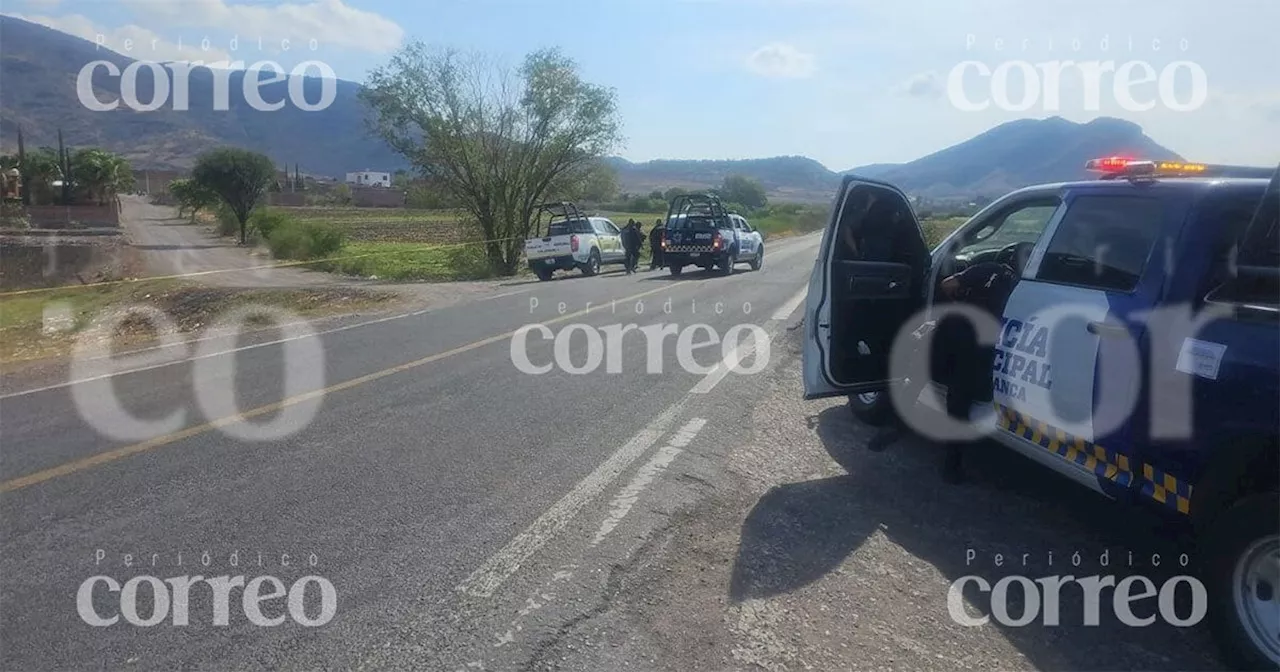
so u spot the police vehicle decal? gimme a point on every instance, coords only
(1106, 464)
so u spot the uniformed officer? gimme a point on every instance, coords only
(655, 246)
(958, 361)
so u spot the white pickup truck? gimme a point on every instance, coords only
(572, 240)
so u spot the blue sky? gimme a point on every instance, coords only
(847, 82)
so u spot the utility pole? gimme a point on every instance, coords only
(64, 162)
(22, 171)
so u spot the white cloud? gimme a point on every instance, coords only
(331, 23)
(782, 60)
(130, 40)
(924, 85)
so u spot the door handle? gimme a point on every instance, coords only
(1107, 329)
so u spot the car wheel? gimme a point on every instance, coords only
(726, 265)
(1243, 580)
(676, 270)
(592, 267)
(758, 260)
(544, 274)
(872, 408)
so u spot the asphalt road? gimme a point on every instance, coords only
(456, 504)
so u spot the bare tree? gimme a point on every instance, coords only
(498, 140)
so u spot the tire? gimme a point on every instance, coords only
(592, 267)
(726, 265)
(872, 408)
(1239, 536)
(544, 274)
(758, 260)
(675, 270)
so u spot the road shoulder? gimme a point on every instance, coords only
(809, 552)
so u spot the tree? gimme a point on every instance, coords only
(672, 193)
(238, 176)
(497, 140)
(597, 184)
(40, 169)
(341, 194)
(100, 176)
(192, 196)
(744, 190)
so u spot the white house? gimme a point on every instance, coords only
(369, 178)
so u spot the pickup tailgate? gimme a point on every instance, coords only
(691, 239)
(551, 246)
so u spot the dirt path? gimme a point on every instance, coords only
(175, 246)
(170, 245)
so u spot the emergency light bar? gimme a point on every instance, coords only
(1116, 166)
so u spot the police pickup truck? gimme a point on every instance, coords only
(572, 240)
(700, 232)
(1138, 355)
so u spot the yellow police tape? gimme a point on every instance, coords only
(253, 268)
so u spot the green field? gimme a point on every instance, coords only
(426, 245)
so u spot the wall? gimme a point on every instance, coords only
(287, 199)
(377, 197)
(72, 216)
(39, 261)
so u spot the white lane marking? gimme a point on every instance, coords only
(498, 568)
(628, 496)
(790, 306)
(502, 565)
(730, 362)
(181, 359)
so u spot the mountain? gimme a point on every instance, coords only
(1019, 153)
(40, 67)
(795, 178)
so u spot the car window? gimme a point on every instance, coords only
(565, 227)
(1023, 223)
(1229, 214)
(611, 228)
(1103, 242)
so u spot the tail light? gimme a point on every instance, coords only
(573, 243)
(715, 241)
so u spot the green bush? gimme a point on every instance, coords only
(266, 221)
(228, 225)
(292, 239)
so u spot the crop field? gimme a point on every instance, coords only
(383, 225)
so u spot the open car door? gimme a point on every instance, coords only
(868, 281)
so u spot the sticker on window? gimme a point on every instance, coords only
(1201, 358)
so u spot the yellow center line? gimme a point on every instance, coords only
(166, 439)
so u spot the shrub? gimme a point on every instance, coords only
(266, 221)
(228, 225)
(292, 239)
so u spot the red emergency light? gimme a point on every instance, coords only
(1110, 164)
(1115, 166)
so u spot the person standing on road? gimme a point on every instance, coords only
(958, 360)
(655, 246)
(632, 240)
